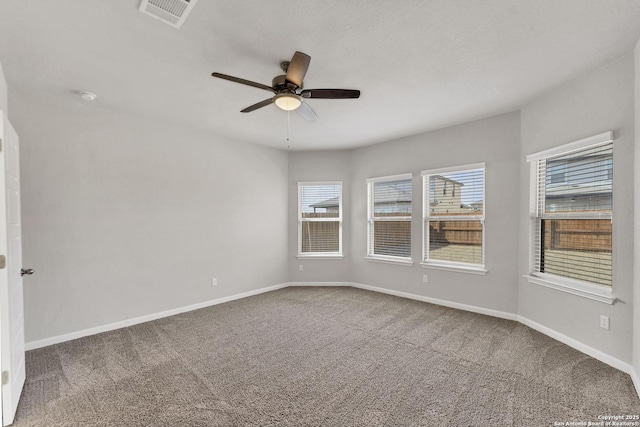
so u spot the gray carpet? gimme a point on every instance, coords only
(320, 357)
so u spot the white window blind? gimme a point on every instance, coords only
(453, 215)
(389, 223)
(572, 207)
(320, 218)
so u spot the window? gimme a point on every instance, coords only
(571, 216)
(319, 219)
(453, 221)
(389, 223)
(557, 172)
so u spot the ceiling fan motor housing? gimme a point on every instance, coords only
(279, 84)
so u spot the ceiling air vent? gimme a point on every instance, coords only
(173, 12)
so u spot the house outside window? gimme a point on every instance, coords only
(453, 221)
(389, 218)
(571, 218)
(320, 219)
(557, 171)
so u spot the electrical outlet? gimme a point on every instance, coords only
(214, 281)
(425, 278)
(604, 322)
(300, 267)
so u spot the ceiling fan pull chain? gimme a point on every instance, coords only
(288, 128)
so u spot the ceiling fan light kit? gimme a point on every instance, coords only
(289, 95)
(287, 101)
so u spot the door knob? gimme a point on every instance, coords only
(28, 271)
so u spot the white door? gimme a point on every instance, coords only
(11, 306)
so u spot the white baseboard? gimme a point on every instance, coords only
(319, 284)
(32, 345)
(636, 380)
(588, 350)
(445, 303)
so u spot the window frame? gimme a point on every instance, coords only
(569, 285)
(371, 219)
(458, 266)
(301, 221)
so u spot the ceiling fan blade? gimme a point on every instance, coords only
(258, 105)
(298, 68)
(243, 81)
(306, 112)
(330, 93)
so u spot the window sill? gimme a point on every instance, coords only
(457, 268)
(389, 260)
(320, 256)
(585, 290)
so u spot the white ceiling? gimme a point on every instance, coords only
(420, 65)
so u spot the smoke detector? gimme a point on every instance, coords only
(172, 12)
(87, 96)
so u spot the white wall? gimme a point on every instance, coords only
(600, 101)
(636, 239)
(319, 166)
(4, 104)
(124, 216)
(495, 141)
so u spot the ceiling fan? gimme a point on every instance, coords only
(288, 88)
